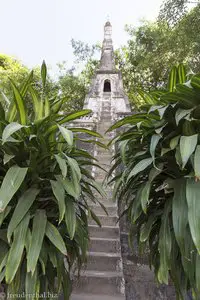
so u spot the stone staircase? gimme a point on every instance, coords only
(103, 277)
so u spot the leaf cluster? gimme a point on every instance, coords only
(159, 181)
(45, 186)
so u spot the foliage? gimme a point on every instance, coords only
(154, 47)
(74, 89)
(10, 67)
(172, 11)
(159, 180)
(84, 52)
(45, 184)
(86, 59)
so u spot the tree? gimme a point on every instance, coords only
(74, 90)
(172, 11)
(153, 47)
(11, 68)
(74, 85)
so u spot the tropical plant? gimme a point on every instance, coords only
(45, 185)
(159, 180)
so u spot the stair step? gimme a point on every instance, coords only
(93, 282)
(95, 297)
(98, 210)
(101, 261)
(105, 201)
(105, 220)
(104, 231)
(104, 245)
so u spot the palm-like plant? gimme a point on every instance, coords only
(45, 184)
(159, 152)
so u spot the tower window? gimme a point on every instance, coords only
(107, 86)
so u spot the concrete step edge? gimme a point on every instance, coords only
(101, 274)
(104, 254)
(106, 206)
(105, 239)
(99, 216)
(103, 227)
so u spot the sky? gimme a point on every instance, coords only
(33, 30)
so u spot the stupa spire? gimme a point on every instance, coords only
(107, 55)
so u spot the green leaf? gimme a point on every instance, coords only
(145, 196)
(52, 251)
(154, 142)
(31, 285)
(55, 237)
(44, 73)
(68, 118)
(98, 187)
(70, 217)
(62, 164)
(174, 142)
(187, 147)
(38, 233)
(178, 156)
(88, 131)
(165, 245)
(123, 147)
(56, 106)
(67, 134)
(23, 205)
(193, 196)
(134, 119)
(72, 188)
(10, 129)
(95, 218)
(182, 113)
(155, 172)
(136, 209)
(66, 285)
(197, 162)
(4, 214)
(141, 166)
(7, 158)
(59, 193)
(195, 82)
(180, 212)
(28, 240)
(4, 261)
(16, 250)
(35, 100)
(46, 107)
(19, 101)
(198, 272)
(74, 167)
(26, 83)
(181, 73)
(164, 151)
(10, 185)
(172, 79)
(147, 227)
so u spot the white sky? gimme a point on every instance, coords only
(33, 30)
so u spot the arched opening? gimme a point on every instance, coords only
(107, 86)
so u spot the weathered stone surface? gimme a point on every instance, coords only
(103, 278)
